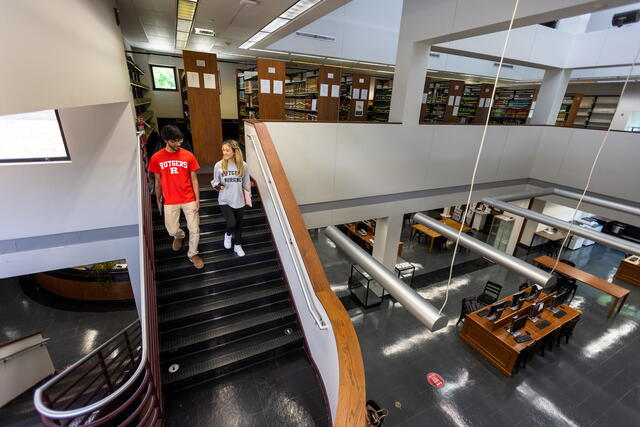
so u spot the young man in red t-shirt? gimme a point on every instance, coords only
(177, 186)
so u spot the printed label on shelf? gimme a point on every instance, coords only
(329, 75)
(193, 79)
(360, 80)
(209, 81)
(356, 93)
(335, 91)
(458, 100)
(455, 111)
(324, 89)
(451, 99)
(359, 108)
(272, 70)
(363, 94)
(277, 86)
(481, 103)
(201, 63)
(424, 98)
(314, 104)
(265, 86)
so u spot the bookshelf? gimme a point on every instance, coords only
(583, 111)
(270, 84)
(454, 98)
(345, 98)
(602, 112)
(360, 84)
(435, 102)
(484, 103)
(141, 101)
(301, 96)
(563, 113)
(512, 106)
(328, 86)
(468, 104)
(382, 100)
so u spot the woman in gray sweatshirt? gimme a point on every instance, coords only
(231, 178)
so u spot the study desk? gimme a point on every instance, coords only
(433, 235)
(495, 343)
(617, 292)
(369, 237)
(629, 270)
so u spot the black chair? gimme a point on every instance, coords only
(490, 294)
(469, 305)
(551, 248)
(524, 355)
(566, 331)
(547, 342)
(524, 286)
(567, 284)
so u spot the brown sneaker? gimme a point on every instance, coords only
(176, 245)
(197, 262)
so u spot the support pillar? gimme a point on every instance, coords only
(554, 86)
(408, 82)
(530, 227)
(386, 240)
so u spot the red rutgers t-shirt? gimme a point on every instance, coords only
(175, 170)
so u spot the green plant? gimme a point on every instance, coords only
(100, 271)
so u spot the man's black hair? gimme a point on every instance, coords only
(171, 132)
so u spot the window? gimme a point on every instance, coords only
(164, 78)
(32, 137)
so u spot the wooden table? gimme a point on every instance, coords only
(433, 235)
(369, 238)
(617, 292)
(629, 270)
(554, 237)
(496, 344)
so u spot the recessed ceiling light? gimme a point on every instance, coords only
(298, 8)
(258, 36)
(270, 51)
(342, 60)
(247, 45)
(275, 24)
(182, 36)
(308, 56)
(372, 63)
(184, 25)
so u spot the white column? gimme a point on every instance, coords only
(386, 240)
(408, 81)
(554, 86)
(530, 227)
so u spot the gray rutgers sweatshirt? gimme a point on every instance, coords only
(232, 194)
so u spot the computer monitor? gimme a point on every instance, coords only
(535, 310)
(517, 299)
(556, 300)
(517, 323)
(495, 310)
(535, 291)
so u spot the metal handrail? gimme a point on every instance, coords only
(31, 347)
(73, 413)
(300, 269)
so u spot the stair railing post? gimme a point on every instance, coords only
(105, 371)
(133, 360)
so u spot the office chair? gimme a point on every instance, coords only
(524, 355)
(552, 248)
(490, 294)
(469, 305)
(567, 331)
(548, 341)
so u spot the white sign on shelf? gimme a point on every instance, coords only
(455, 111)
(272, 70)
(458, 100)
(356, 93)
(265, 86)
(324, 89)
(424, 98)
(359, 109)
(335, 91)
(277, 86)
(314, 104)
(363, 94)
(451, 99)
(193, 79)
(329, 75)
(201, 63)
(360, 80)
(209, 81)
(481, 103)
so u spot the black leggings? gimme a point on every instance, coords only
(234, 222)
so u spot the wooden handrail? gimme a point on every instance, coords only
(351, 396)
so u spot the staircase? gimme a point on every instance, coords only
(233, 313)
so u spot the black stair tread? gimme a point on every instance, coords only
(179, 284)
(249, 231)
(213, 329)
(210, 303)
(179, 259)
(212, 202)
(218, 358)
(207, 219)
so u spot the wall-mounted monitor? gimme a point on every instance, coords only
(32, 137)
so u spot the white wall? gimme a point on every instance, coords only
(602, 20)
(60, 54)
(629, 104)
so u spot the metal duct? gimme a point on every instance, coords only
(405, 295)
(512, 263)
(606, 239)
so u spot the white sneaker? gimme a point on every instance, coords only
(238, 250)
(227, 241)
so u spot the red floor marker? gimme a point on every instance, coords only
(435, 380)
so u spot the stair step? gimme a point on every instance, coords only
(213, 221)
(211, 203)
(210, 334)
(219, 305)
(208, 365)
(180, 259)
(213, 239)
(217, 281)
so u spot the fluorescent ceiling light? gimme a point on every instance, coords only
(372, 63)
(184, 25)
(342, 60)
(237, 54)
(247, 45)
(308, 56)
(181, 44)
(258, 36)
(181, 36)
(270, 51)
(186, 9)
(275, 24)
(298, 8)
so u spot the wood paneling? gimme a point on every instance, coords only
(359, 82)
(204, 107)
(456, 89)
(483, 104)
(425, 93)
(328, 106)
(271, 105)
(351, 397)
(573, 110)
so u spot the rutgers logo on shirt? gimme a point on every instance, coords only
(173, 166)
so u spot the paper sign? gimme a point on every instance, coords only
(455, 111)
(457, 100)
(360, 80)
(335, 91)
(193, 79)
(201, 63)
(456, 87)
(265, 86)
(314, 104)
(272, 70)
(359, 108)
(356, 93)
(209, 81)
(329, 75)
(451, 99)
(324, 90)
(363, 94)
(481, 103)
(277, 86)
(533, 105)
(424, 98)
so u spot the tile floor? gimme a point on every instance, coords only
(592, 381)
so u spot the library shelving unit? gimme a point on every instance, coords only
(271, 88)
(382, 100)
(301, 96)
(563, 113)
(435, 102)
(247, 87)
(512, 106)
(603, 111)
(345, 98)
(360, 84)
(484, 103)
(468, 104)
(454, 99)
(184, 98)
(583, 111)
(500, 104)
(329, 79)
(140, 99)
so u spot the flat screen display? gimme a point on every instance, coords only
(32, 137)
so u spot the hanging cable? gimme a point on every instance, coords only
(475, 167)
(593, 166)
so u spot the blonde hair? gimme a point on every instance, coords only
(239, 160)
